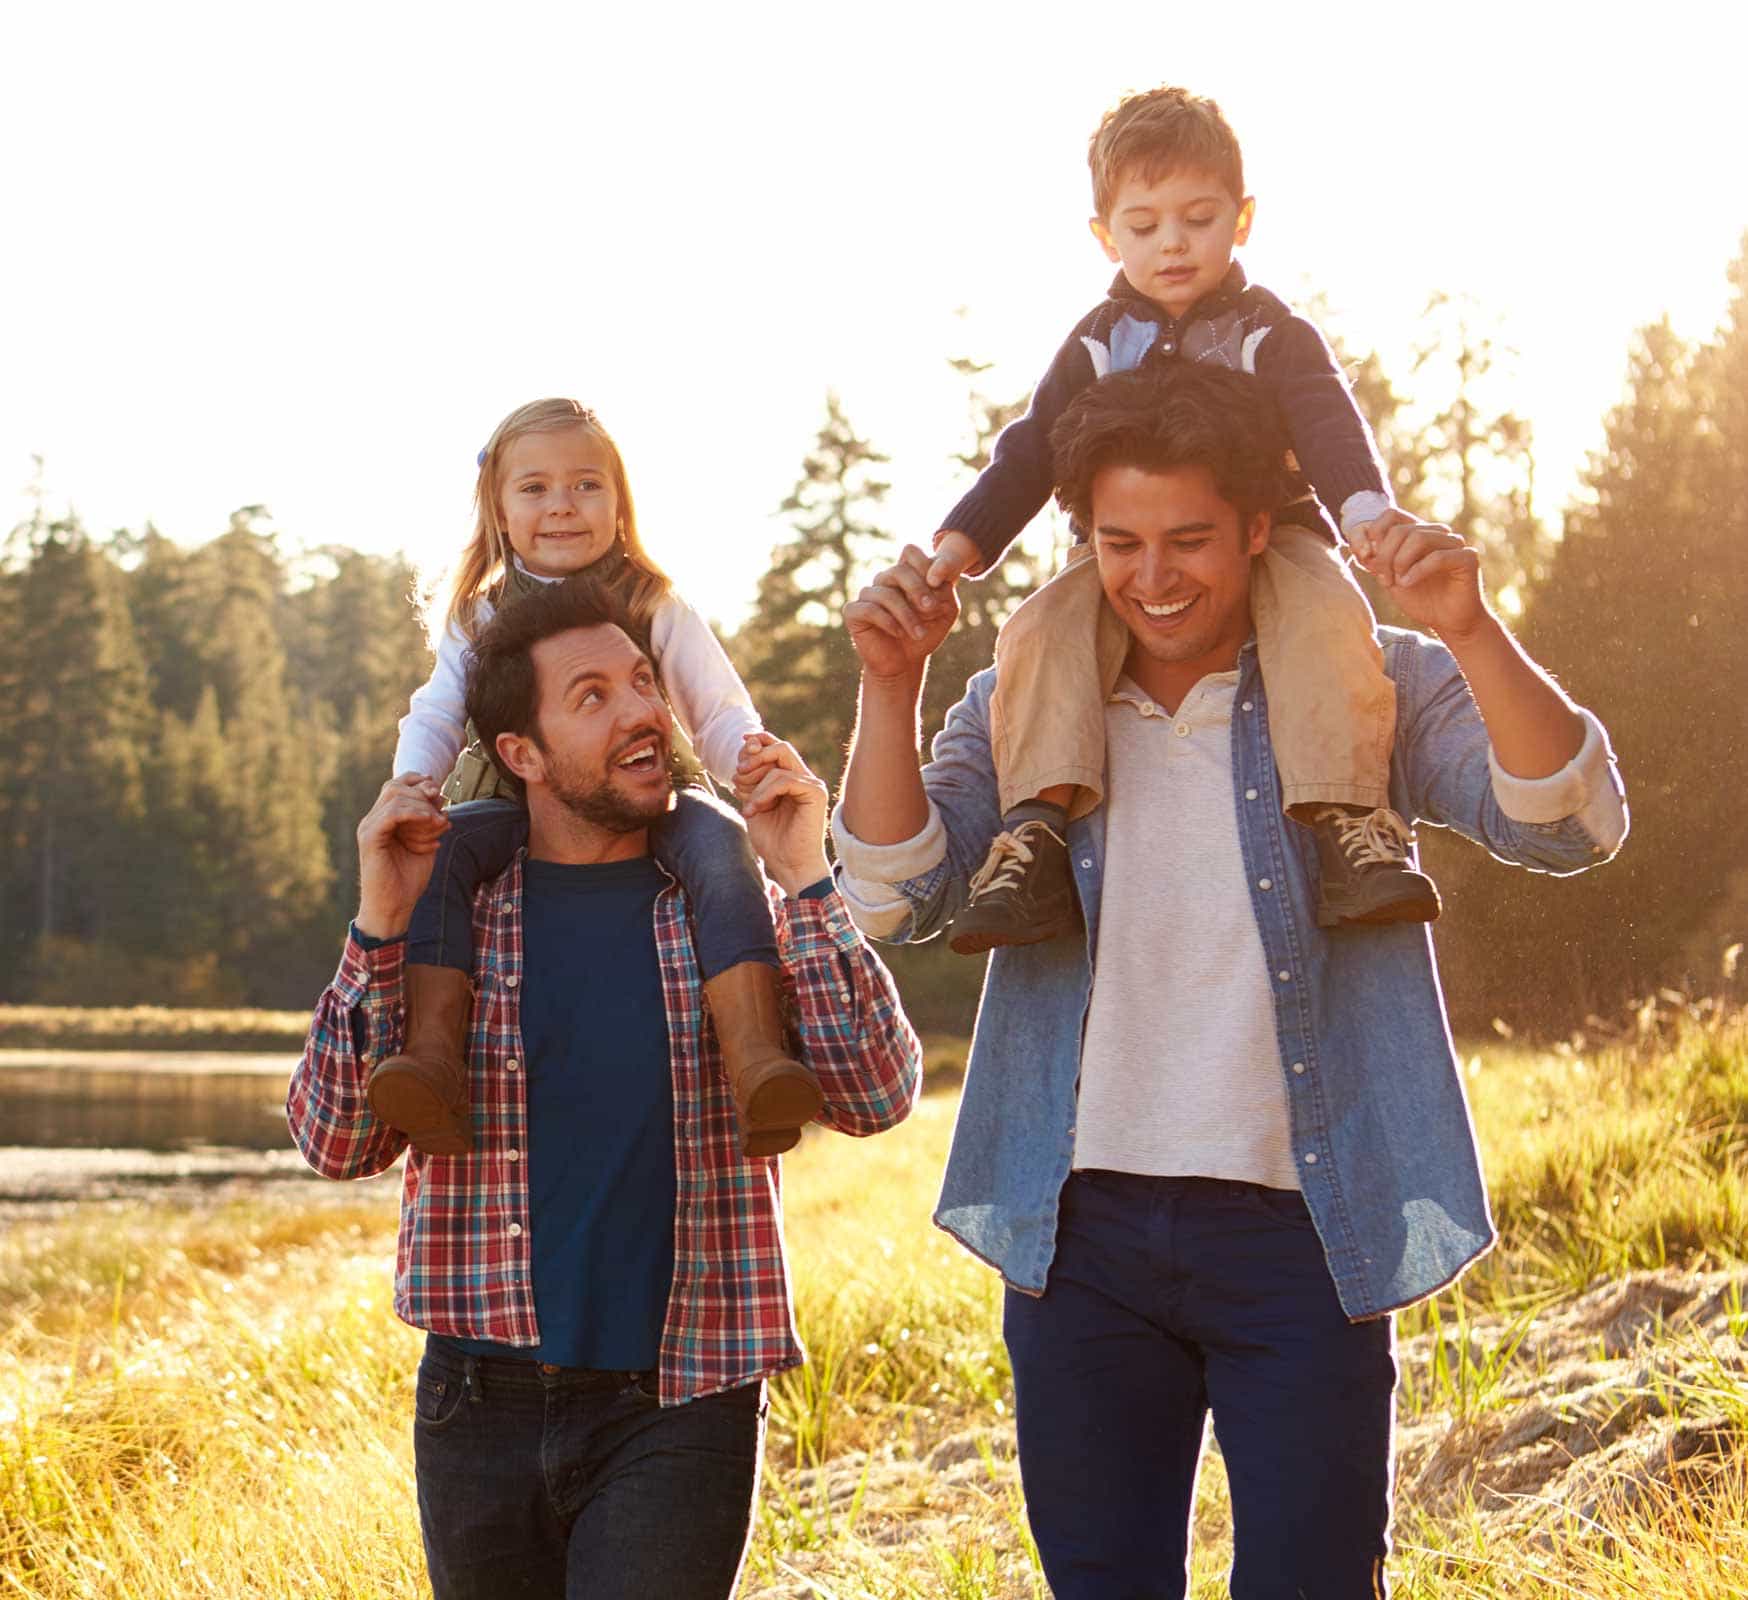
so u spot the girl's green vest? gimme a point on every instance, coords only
(475, 775)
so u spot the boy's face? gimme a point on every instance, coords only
(1174, 236)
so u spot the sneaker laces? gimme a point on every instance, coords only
(1377, 838)
(1009, 856)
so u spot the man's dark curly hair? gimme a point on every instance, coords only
(1163, 417)
(502, 694)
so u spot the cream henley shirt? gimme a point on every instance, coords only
(1180, 1070)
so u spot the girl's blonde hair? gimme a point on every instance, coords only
(478, 571)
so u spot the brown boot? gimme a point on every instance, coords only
(423, 1090)
(773, 1092)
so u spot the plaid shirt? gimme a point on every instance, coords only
(462, 1265)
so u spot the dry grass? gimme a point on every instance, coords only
(217, 1402)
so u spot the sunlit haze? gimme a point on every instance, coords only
(307, 256)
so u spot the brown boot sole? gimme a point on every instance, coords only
(400, 1097)
(769, 1141)
(771, 1122)
(1383, 916)
(786, 1101)
(975, 940)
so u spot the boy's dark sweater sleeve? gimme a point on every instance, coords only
(1016, 483)
(1328, 435)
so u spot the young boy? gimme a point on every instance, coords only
(1168, 193)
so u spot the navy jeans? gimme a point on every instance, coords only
(555, 1482)
(701, 841)
(1168, 1299)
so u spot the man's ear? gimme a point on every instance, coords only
(521, 755)
(1256, 535)
(1246, 216)
(1103, 235)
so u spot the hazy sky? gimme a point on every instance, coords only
(307, 255)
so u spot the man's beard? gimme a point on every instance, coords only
(601, 804)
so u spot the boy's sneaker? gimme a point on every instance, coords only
(1022, 894)
(1367, 877)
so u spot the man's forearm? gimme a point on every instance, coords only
(1531, 725)
(883, 800)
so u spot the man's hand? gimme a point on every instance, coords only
(1433, 576)
(955, 554)
(785, 807)
(396, 843)
(1368, 536)
(898, 621)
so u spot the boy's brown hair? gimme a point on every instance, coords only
(1156, 134)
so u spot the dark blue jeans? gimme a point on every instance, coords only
(555, 1482)
(1168, 1299)
(701, 841)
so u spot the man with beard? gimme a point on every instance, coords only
(601, 1278)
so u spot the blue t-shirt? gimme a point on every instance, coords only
(601, 1181)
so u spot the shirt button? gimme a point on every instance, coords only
(516, 1227)
(1299, 1068)
(510, 1065)
(1086, 861)
(1310, 1158)
(1249, 706)
(1284, 976)
(1265, 883)
(1182, 730)
(511, 981)
(515, 1155)
(1150, 710)
(1250, 794)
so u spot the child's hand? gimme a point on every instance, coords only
(397, 847)
(786, 813)
(897, 622)
(954, 553)
(752, 763)
(1368, 538)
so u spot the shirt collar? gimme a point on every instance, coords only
(1208, 703)
(1222, 295)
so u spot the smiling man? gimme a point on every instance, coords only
(1210, 1146)
(601, 1277)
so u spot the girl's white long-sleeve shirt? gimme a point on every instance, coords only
(709, 699)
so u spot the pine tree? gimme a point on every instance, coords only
(793, 652)
(73, 721)
(1642, 619)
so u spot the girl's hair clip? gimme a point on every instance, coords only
(480, 459)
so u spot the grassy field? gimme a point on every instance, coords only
(217, 1402)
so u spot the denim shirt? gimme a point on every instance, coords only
(1380, 1127)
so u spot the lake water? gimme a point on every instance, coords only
(82, 1125)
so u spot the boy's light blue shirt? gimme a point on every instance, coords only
(1381, 1130)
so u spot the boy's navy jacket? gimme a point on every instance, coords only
(1239, 325)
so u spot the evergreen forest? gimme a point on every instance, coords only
(191, 733)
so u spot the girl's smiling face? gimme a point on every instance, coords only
(557, 499)
(1174, 236)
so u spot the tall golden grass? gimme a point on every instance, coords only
(217, 1402)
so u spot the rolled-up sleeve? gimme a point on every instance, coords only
(853, 1032)
(869, 874)
(1587, 790)
(357, 1022)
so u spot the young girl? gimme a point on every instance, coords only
(551, 500)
